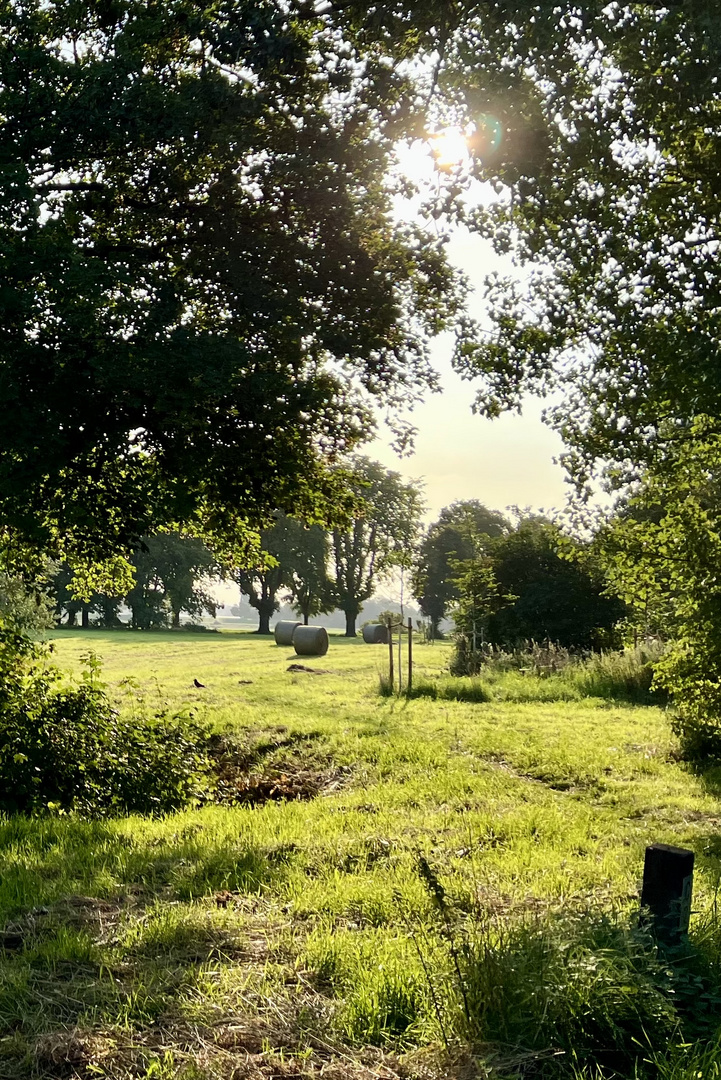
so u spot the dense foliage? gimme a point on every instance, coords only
(26, 606)
(202, 279)
(560, 593)
(65, 748)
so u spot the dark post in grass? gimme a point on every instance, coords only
(400, 656)
(410, 654)
(666, 892)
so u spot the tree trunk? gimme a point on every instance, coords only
(85, 618)
(176, 619)
(305, 618)
(72, 619)
(350, 618)
(263, 622)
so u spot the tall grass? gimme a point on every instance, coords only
(548, 674)
(582, 994)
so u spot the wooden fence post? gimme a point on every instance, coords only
(400, 656)
(666, 892)
(410, 655)
(391, 676)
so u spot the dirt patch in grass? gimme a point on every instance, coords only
(237, 787)
(273, 767)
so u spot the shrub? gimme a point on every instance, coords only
(699, 739)
(65, 748)
(691, 673)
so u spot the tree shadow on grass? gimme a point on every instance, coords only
(103, 929)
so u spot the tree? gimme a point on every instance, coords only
(608, 168)
(382, 536)
(204, 287)
(309, 587)
(600, 130)
(451, 537)
(262, 581)
(182, 564)
(169, 573)
(480, 596)
(560, 594)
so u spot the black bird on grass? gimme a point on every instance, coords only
(200, 685)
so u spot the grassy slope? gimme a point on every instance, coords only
(124, 955)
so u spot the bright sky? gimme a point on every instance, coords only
(504, 462)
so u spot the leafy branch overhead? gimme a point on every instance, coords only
(607, 178)
(203, 284)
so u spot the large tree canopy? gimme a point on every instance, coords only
(554, 597)
(607, 174)
(200, 269)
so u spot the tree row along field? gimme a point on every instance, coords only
(367, 867)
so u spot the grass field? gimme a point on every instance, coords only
(405, 888)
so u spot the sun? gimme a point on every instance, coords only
(441, 150)
(449, 147)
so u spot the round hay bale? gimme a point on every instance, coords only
(310, 641)
(284, 632)
(375, 634)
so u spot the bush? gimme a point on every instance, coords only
(690, 671)
(699, 739)
(65, 748)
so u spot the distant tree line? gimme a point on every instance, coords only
(313, 569)
(500, 583)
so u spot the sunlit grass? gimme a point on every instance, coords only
(304, 919)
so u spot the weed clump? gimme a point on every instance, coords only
(470, 689)
(64, 748)
(575, 993)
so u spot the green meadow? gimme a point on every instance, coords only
(381, 887)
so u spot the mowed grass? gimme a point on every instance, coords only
(299, 937)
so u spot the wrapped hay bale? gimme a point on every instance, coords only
(310, 641)
(375, 634)
(284, 632)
